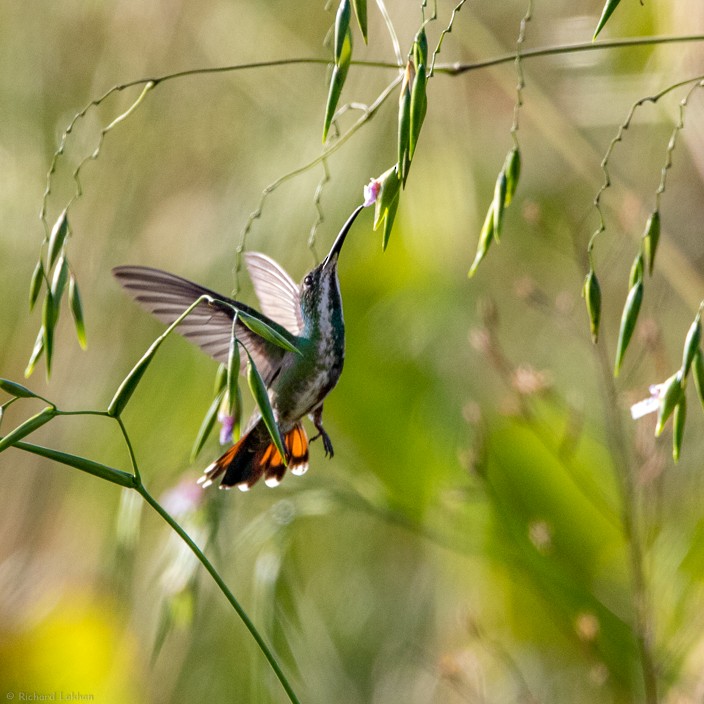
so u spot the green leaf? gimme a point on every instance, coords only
(29, 426)
(512, 167)
(233, 369)
(259, 392)
(671, 396)
(698, 374)
(485, 238)
(678, 427)
(206, 426)
(342, 28)
(57, 237)
(651, 237)
(36, 354)
(419, 106)
(592, 297)
(499, 203)
(35, 285)
(360, 11)
(609, 7)
(116, 476)
(629, 319)
(74, 300)
(691, 344)
(15, 389)
(286, 341)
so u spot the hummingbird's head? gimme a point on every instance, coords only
(320, 281)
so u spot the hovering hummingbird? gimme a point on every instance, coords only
(297, 382)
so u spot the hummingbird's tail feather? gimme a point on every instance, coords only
(255, 456)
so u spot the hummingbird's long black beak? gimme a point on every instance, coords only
(340, 239)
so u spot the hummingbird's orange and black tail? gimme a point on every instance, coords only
(255, 456)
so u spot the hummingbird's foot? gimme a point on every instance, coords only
(317, 418)
(327, 443)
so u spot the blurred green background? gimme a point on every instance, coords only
(465, 544)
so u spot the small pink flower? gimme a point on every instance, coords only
(371, 192)
(183, 499)
(228, 424)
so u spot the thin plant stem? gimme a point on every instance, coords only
(606, 183)
(520, 83)
(256, 213)
(443, 34)
(203, 559)
(615, 432)
(392, 32)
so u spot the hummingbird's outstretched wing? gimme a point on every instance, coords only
(209, 325)
(276, 291)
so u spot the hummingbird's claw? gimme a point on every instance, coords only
(317, 418)
(327, 443)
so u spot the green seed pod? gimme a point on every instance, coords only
(636, 275)
(342, 26)
(629, 319)
(651, 237)
(419, 106)
(282, 339)
(57, 237)
(499, 202)
(512, 167)
(48, 323)
(74, 300)
(261, 397)
(592, 297)
(36, 284)
(404, 122)
(671, 395)
(37, 352)
(420, 48)
(207, 425)
(678, 427)
(220, 379)
(233, 369)
(609, 7)
(29, 426)
(16, 390)
(698, 374)
(389, 222)
(360, 11)
(337, 81)
(485, 238)
(388, 193)
(691, 344)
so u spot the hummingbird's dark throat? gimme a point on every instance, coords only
(340, 239)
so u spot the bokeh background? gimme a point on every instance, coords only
(465, 544)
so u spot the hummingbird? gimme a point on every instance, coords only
(297, 382)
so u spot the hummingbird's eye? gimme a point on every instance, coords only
(308, 281)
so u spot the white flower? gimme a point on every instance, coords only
(651, 404)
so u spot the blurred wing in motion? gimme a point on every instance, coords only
(209, 325)
(276, 291)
